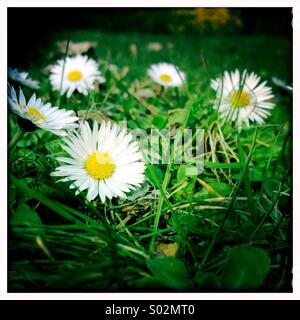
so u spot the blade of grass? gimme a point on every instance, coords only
(162, 199)
(216, 165)
(79, 214)
(264, 218)
(129, 233)
(43, 199)
(246, 178)
(63, 69)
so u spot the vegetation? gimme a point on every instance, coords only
(227, 229)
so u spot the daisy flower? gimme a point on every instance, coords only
(167, 75)
(22, 78)
(42, 115)
(79, 73)
(104, 161)
(242, 98)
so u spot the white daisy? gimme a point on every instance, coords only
(79, 73)
(42, 115)
(166, 75)
(240, 97)
(22, 78)
(104, 161)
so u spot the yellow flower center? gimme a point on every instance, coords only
(74, 75)
(99, 165)
(165, 78)
(240, 99)
(33, 112)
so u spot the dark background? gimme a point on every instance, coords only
(34, 27)
(37, 21)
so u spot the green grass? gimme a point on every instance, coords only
(231, 224)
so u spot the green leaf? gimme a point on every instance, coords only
(222, 188)
(208, 281)
(43, 199)
(53, 147)
(26, 154)
(195, 224)
(245, 269)
(183, 172)
(270, 186)
(128, 104)
(30, 140)
(184, 177)
(177, 116)
(158, 173)
(216, 165)
(171, 272)
(256, 174)
(160, 121)
(22, 197)
(24, 215)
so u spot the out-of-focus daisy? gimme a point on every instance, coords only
(22, 78)
(166, 75)
(79, 73)
(42, 115)
(76, 47)
(155, 46)
(104, 160)
(242, 98)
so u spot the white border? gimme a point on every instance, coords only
(3, 146)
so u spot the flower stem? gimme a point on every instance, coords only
(63, 68)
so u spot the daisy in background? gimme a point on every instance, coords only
(167, 75)
(242, 98)
(22, 78)
(42, 115)
(75, 73)
(104, 161)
